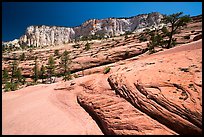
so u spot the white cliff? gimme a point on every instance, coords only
(53, 35)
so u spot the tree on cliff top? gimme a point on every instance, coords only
(176, 21)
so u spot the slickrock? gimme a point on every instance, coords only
(44, 110)
(163, 86)
(115, 115)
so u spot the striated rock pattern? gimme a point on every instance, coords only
(115, 115)
(53, 35)
(173, 94)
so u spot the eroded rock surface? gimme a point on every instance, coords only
(164, 88)
(115, 115)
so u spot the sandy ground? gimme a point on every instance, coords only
(41, 110)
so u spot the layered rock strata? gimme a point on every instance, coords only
(53, 35)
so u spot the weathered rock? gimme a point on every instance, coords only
(197, 37)
(163, 91)
(115, 115)
(54, 35)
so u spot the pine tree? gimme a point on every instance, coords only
(19, 75)
(14, 67)
(65, 62)
(51, 67)
(36, 70)
(176, 21)
(22, 57)
(5, 76)
(42, 73)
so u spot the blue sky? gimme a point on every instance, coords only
(17, 16)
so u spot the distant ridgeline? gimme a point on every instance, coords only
(38, 36)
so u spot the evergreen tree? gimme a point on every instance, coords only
(22, 57)
(14, 67)
(42, 73)
(19, 75)
(176, 21)
(5, 76)
(51, 68)
(65, 61)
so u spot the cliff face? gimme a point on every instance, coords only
(53, 35)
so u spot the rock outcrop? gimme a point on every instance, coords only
(173, 94)
(53, 35)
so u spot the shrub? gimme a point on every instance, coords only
(126, 54)
(7, 86)
(75, 75)
(5, 76)
(11, 86)
(56, 52)
(106, 70)
(87, 46)
(142, 38)
(22, 57)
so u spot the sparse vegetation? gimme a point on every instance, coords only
(5, 76)
(65, 62)
(50, 68)
(106, 70)
(56, 52)
(22, 57)
(87, 46)
(75, 75)
(176, 21)
(42, 73)
(142, 38)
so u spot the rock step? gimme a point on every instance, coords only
(118, 116)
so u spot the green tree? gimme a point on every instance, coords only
(155, 40)
(65, 62)
(19, 75)
(56, 52)
(14, 67)
(22, 57)
(36, 70)
(176, 21)
(87, 46)
(51, 68)
(5, 75)
(42, 73)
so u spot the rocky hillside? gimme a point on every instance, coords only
(152, 95)
(118, 86)
(54, 35)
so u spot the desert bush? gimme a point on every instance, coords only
(5, 76)
(142, 38)
(127, 54)
(56, 52)
(75, 75)
(22, 57)
(106, 70)
(87, 46)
